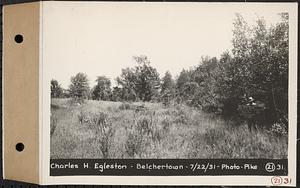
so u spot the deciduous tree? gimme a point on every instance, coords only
(56, 90)
(79, 87)
(102, 89)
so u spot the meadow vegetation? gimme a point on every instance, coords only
(105, 129)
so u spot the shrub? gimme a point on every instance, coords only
(134, 143)
(99, 122)
(254, 115)
(103, 130)
(167, 97)
(81, 117)
(278, 129)
(156, 134)
(237, 142)
(105, 139)
(140, 108)
(144, 133)
(73, 102)
(144, 125)
(166, 124)
(181, 115)
(125, 106)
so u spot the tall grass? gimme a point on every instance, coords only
(103, 129)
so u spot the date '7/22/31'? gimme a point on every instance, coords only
(208, 166)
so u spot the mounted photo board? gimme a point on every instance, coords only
(150, 93)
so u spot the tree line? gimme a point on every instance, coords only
(249, 82)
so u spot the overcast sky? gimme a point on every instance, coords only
(101, 38)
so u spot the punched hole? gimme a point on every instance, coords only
(19, 38)
(20, 147)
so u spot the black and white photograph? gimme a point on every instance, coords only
(170, 82)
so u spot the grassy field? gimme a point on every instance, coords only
(104, 129)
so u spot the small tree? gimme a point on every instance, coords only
(167, 82)
(79, 87)
(141, 82)
(116, 94)
(127, 83)
(167, 88)
(148, 81)
(102, 90)
(56, 90)
(183, 78)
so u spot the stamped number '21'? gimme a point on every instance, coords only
(279, 181)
